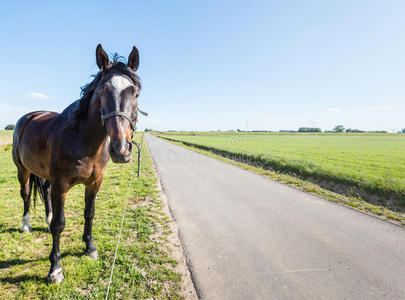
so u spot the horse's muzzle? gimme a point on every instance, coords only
(120, 152)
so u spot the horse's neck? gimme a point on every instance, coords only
(93, 130)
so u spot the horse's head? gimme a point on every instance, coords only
(119, 90)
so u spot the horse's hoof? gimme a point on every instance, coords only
(56, 276)
(93, 254)
(26, 228)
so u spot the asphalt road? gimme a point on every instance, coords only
(248, 237)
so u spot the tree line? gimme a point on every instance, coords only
(338, 128)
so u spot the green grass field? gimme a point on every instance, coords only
(373, 163)
(144, 267)
(6, 137)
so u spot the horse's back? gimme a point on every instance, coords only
(32, 135)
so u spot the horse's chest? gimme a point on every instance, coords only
(88, 170)
(75, 167)
(83, 168)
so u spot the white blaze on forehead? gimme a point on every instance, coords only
(120, 83)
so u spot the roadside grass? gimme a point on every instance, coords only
(369, 165)
(144, 267)
(353, 201)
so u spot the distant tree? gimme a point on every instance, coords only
(339, 128)
(287, 130)
(403, 130)
(148, 129)
(354, 130)
(380, 131)
(309, 129)
(9, 127)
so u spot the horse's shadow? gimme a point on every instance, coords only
(22, 278)
(13, 229)
(5, 264)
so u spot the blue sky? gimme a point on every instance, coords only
(208, 65)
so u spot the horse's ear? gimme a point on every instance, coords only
(102, 58)
(133, 59)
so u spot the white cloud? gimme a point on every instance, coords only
(379, 108)
(331, 109)
(36, 95)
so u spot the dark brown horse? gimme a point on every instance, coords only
(53, 152)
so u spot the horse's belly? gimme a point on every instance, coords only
(37, 162)
(33, 145)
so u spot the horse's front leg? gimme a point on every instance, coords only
(90, 198)
(58, 195)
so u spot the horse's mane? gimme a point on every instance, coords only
(80, 107)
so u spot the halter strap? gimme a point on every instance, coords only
(121, 113)
(117, 113)
(142, 112)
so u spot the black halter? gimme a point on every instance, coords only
(125, 115)
(122, 114)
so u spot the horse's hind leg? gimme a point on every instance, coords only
(25, 191)
(47, 200)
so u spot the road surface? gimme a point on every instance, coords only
(248, 237)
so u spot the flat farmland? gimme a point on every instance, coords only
(372, 163)
(6, 137)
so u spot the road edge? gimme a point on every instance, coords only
(189, 290)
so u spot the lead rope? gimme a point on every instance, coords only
(139, 146)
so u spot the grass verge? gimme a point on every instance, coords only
(353, 201)
(145, 267)
(371, 167)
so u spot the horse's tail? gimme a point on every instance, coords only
(37, 186)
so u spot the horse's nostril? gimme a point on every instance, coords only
(126, 149)
(119, 148)
(116, 147)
